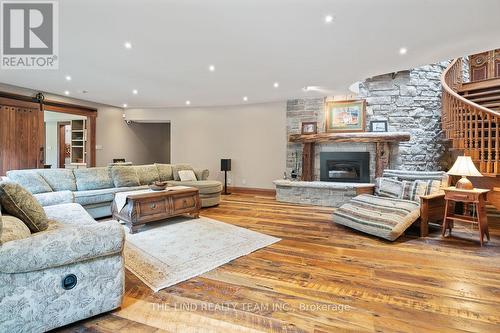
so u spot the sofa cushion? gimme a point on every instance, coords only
(204, 186)
(388, 187)
(93, 178)
(165, 171)
(54, 198)
(59, 179)
(70, 213)
(177, 167)
(124, 176)
(12, 228)
(17, 201)
(147, 173)
(418, 175)
(201, 174)
(30, 180)
(383, 217)
(94, 196)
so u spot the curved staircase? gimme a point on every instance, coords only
(471, 122)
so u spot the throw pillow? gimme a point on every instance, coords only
(17, 201)
(12, 229)
(178, 167)
(412, 190)
(124, 176)
(187, 175)
(388, 187)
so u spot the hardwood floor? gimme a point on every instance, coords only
(323, 278)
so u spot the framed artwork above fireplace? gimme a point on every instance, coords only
(345, 116)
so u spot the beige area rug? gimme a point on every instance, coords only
(164, 253)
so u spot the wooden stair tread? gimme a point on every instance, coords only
(491, 105)
(484, 99)
(482, 93)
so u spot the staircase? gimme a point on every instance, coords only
(471, 118)
(471, 122)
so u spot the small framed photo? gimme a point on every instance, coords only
(378, 126)
(310, 127)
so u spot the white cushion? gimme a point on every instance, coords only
(187, 175)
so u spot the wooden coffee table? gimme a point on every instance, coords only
(154, 206)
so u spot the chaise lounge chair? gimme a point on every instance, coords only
(401, 199)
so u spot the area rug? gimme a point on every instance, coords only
(165, 253)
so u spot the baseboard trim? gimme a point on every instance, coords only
(251, 190)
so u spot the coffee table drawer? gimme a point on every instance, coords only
(183, 202)
(152, 207)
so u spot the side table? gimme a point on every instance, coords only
(475, 198)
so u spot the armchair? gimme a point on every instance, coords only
(69, 272)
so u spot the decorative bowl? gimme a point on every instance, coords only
(158, 186)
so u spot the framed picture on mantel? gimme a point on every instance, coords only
(309, 127)
(345, 116)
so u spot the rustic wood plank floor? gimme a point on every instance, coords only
(323, 278)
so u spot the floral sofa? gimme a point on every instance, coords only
(71, 271)
(94, 188)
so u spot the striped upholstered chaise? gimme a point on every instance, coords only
(396, 204)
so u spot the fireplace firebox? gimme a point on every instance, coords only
(351, 167)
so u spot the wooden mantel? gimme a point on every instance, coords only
(380, 139)
(373, 137)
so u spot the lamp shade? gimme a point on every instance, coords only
(464, 167)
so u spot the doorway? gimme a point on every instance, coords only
(65, 140)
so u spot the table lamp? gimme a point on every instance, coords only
(464, 167)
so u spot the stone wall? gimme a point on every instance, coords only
(409, 100)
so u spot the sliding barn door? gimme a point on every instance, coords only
(21, 135)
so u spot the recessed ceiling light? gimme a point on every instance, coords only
(403, 50)
(211, 68)
(245, 98)
(328, 19)
(125, 105)
(276, 84)
(66, 92)
(188, 102)
(135, 91)
(68, 78)
(127, 45)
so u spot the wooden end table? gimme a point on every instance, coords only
(477, 199)
(154, 206)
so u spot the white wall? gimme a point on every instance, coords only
(253, 136)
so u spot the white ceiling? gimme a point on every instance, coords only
(252, 44)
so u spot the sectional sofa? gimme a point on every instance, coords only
(94, 188)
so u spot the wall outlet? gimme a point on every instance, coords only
(244, 181)
(229, 181)
(98, 147)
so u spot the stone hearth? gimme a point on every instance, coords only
(319, 193)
